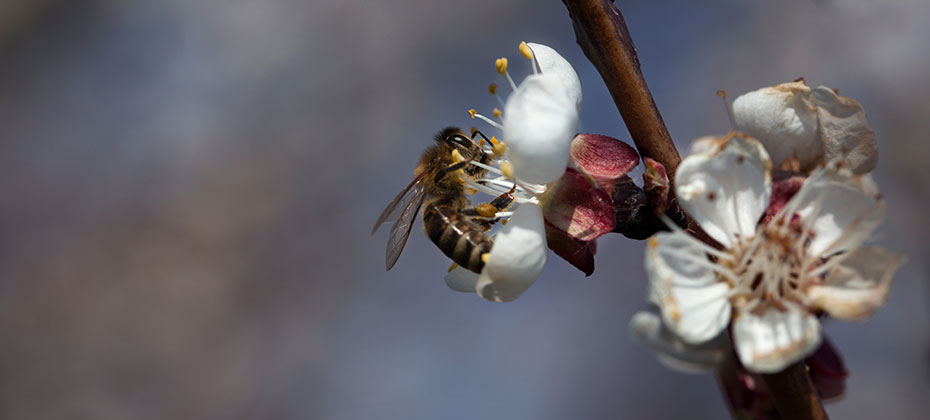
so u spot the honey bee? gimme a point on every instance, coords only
(450, 221)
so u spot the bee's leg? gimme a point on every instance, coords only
(442, 172)
(504, 200)
(485, 214)
(481, 222)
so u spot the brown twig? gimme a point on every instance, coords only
(605, 40)
(603, 36)
(794, 394)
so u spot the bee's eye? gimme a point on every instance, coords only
(460, 140)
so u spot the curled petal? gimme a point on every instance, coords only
(844, 131)
(705, 144)
(671, 350)
(462, 280)
(550, 62)
(694, 305)
(540, 122)
(579, 206)
(767, 341)
(783, 119)
(603, 156)
(858, 286)
(517, 257)
(578, 253)
(726, 189)
(828, 373)
(842, 210)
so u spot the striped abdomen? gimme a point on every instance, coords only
(455, 236)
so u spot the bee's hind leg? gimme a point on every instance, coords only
(485, 214)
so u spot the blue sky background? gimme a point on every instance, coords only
(188, 189)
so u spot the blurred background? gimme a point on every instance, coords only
(187, 189)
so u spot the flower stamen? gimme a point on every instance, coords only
(501, 66)
(528, 53)
(474, 114)
(492, 89)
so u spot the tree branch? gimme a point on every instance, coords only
(794, 393)
(602, 34)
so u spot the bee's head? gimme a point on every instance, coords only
(454, 137)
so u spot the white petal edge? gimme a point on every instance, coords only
(462, 280)
(857, 287)
(693, 302)
(783, 119)
(726, 189)
(551, 62)
(844, 131)
(841, 209)
(671, 351)
(540, 120)
(517, 257)
(771, 341)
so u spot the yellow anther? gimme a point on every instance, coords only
(460, 175)
(486, 210)
(499, 148)
(498, 113)
(472, 191)
(472, 113)
(492, 88)
(507, 169)
(485, 257)
(453, 267)
(501, 65)
(481, 142)
(526, 51)
(504, 221)
(456, 156)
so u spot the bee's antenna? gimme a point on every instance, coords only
(478, 132)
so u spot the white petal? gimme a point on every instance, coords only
(726, 189)
(462, 280)
(693, 302)
(770, 341)
(539, 123)
(783, 119)
(706, 144)
(844, 131)
(858, 286)
(517, 257)
(550, 62)
(842, 210)
(671, 350)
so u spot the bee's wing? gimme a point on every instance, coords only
(401, 228)
(404, 209)
(393, 210)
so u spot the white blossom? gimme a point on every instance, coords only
(770, 279)
(813, 125)
(539, 122)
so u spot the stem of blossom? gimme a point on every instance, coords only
(794, 393)
(602, 34)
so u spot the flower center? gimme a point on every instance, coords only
(772, 267)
